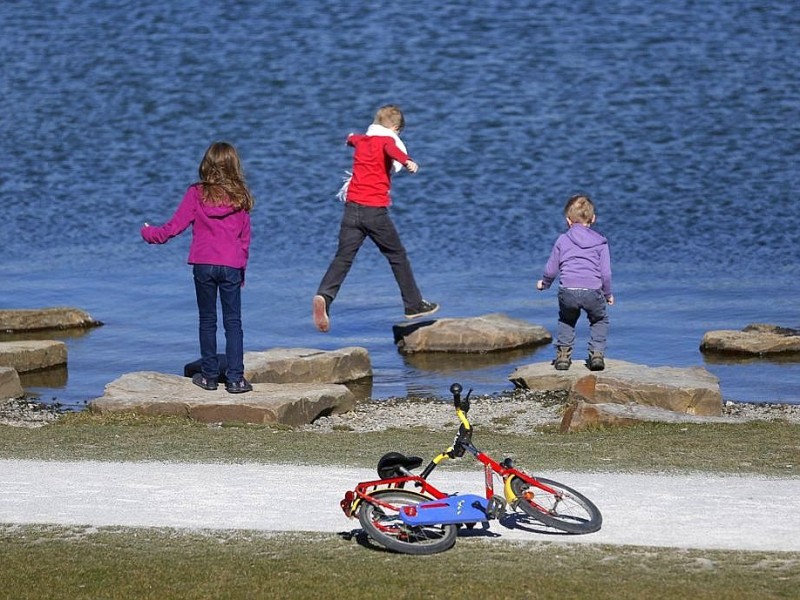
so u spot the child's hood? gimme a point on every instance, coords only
(585, 237)
(217, 211)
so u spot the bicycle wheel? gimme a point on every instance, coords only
(383, 524)
(556, 505)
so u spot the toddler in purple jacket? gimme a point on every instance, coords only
(218, 210)
(581, 259)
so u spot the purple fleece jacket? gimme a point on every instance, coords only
(220, 234)
(582, 259)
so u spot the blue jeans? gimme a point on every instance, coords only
(570, 303)
(358, 223)
(207, 280)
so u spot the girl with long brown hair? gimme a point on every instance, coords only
(218, 209)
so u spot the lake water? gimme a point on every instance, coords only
(680, 118)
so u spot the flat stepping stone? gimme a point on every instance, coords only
(755, 339)
(487, 333)
(581, 415)
(350, 365)
(58, 317)
(307, 365)
(32, 355)
(293, 404)
(10, 385)
(692, 390)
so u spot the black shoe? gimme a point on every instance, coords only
(595, 361)
(204, 382)
(238, 387)
(423, 309)
(319, 310)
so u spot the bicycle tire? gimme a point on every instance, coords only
(385, 527)
(567, 509)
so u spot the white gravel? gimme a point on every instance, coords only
(687, 511)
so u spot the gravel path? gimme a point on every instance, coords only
(694, 511)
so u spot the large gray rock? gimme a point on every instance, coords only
(755, 339)
(307, 365)
(691, 390)
(487, 333)
(151, 393)
(10, 386)
(59, 317)
(32, 355)
(582, 415)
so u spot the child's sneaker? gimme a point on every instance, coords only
(238, 387)
(204, 382)
(423, 309)
(563, 358)
(595, 361)
(320, 312)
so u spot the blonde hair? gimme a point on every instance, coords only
(390, 116)
(222, 178)
(580, 209)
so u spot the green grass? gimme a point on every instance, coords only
(758, 447)
(74, 562)
(112, 563)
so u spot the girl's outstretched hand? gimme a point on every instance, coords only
(412, 166)
(540, 285)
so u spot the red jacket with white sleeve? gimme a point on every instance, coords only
(372, 168)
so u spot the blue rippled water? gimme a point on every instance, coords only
(681, 119)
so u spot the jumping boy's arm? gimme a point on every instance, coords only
(396, 154)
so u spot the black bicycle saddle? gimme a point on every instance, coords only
(389, 464)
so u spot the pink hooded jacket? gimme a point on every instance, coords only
(220, 234)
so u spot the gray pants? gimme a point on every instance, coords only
(570, 303)
(358, 223)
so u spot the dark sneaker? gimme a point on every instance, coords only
(595, 361)
(238, 387)
(563, 358)
(319, 308)
(204, 382)
(424, 309)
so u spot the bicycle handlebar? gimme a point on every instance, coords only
(458, 401)
(463, 439)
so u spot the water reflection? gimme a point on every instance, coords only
(451, 362)
(728, 358)
(55, 377)
(45, 334)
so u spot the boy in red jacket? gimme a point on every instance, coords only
(378, 153)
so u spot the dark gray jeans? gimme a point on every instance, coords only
(570, 303)
(358, 223)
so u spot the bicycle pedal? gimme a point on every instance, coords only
(496, 507)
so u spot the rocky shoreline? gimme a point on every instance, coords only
(28, 412)
(517, 411)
